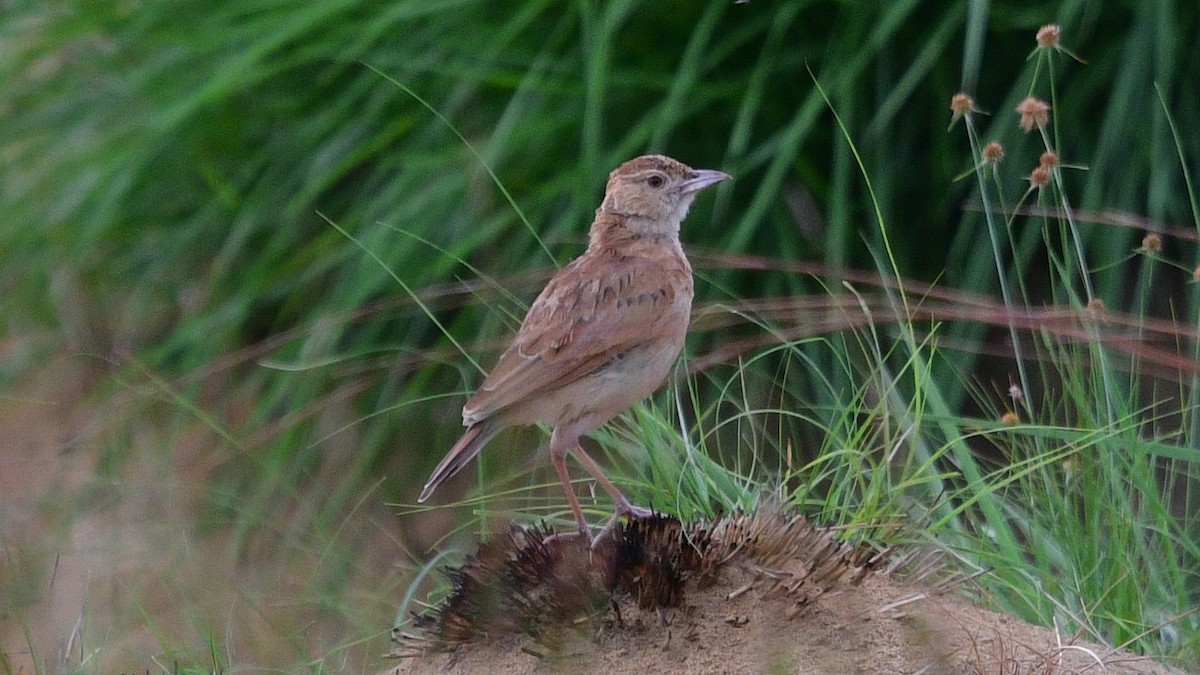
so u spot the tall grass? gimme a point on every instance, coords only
(266, 235)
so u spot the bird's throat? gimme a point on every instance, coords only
(617, 230)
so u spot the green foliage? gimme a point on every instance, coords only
(298, 227)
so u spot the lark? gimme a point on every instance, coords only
(604, 333)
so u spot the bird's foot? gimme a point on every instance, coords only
(634, 512)
(623, 509)
(585, 535)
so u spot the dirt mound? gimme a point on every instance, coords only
(744, 595)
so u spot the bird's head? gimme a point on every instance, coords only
(654, 192)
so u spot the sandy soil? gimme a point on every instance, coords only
(106, 567)
(883, 625)
(845, 632)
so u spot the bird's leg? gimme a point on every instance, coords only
(558, 456)
(606, 531)
(624, 506)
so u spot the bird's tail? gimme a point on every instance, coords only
(476, 436)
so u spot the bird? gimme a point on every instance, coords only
(603, 334)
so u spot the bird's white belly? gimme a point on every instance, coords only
(611, 389)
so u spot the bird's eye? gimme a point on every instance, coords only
(655, 181)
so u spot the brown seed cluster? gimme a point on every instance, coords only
(1152, 243)
(961, 104)
(1034, 112)
(1040, 177)
(1049, 35)
(993, 153)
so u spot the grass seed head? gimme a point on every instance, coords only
(1034, 112)
(1040, 177)
(1151, 243)
(1049, 36)
(993, 153)
(961, 105)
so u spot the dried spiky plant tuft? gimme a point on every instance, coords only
(511, 585)
(532, 580)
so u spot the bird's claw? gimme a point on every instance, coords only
(634, 512)
(624, 509)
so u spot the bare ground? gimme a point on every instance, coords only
(881, 626)
(749, 593)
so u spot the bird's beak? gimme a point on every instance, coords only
(702, 178)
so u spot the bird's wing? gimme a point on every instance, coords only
(590, 312)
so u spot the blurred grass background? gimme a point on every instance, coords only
(212, 393)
